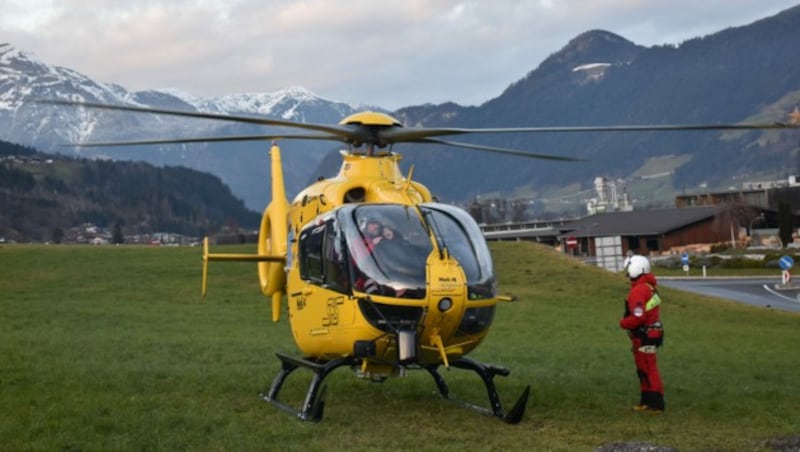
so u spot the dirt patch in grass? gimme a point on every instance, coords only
(783, 443)
(635, 447)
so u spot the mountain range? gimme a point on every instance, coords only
(242, 166)
(747, 73)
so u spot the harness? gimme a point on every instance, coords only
(652, 336)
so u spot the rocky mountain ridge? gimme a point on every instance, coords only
(747, 73)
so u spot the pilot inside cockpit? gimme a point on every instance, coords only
(382, 253)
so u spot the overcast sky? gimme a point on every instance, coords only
(385, 53)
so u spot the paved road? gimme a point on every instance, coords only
(754, 291)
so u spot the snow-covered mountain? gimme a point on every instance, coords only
(291, 103)
(24, 79)
(749, 73)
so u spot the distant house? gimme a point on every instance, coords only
(609, 236)
(545, 231)
(641, 231)
(98, 241)
(763, 197)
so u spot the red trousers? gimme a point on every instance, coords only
(646, 368)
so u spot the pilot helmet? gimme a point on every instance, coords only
(636, 266)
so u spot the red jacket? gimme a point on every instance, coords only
(636, 312)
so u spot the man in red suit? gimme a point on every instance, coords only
(644, 327)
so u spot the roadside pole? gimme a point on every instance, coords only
(786, 263)
(685, 262)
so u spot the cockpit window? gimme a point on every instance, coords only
(457, 231)
(322, 259)
(311, 241)
(389, 247)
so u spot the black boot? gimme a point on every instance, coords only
(654, 400)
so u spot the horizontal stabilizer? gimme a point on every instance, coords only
(244, 257)
(232, 257)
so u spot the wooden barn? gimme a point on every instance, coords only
(609, 236)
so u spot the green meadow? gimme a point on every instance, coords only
(112, 348)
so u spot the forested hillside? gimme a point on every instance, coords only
(42, 194)
(742, 74)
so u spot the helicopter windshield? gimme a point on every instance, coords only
(390, 244)
(457, 231)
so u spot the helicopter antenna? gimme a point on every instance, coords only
(408, 178)
(408, 184)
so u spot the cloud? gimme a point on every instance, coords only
(391, 53)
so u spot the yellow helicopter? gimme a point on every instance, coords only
(376, 274)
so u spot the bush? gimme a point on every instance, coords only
(708, 261)
(739, 262)
(720, 247)
(672, 263)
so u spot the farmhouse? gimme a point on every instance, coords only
(647, 231)
(609, 236)
(766, 195)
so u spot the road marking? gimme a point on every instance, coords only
(766, 287)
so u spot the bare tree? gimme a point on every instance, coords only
(735, 214)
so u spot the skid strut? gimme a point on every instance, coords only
(314, 403)
(487, 373)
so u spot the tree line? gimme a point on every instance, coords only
(40, 193)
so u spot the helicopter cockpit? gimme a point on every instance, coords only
(382, 249)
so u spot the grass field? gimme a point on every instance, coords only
(111, 348)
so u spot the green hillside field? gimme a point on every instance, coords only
(111, 348)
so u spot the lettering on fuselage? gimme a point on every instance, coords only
(301, 303)
(447, 284)
(332, 315)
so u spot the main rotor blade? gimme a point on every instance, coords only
(382, 136)
(499, 150)
(211, 140)
(413, 134)
(338, 130)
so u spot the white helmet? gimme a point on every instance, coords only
(637, 266)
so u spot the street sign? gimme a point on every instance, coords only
(786, 278)
(786, 262)
(685, 258)
(572, 242)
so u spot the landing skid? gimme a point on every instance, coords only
(314, 403)
(487, 373)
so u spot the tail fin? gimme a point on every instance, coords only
(272, 242)
(273, 236)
